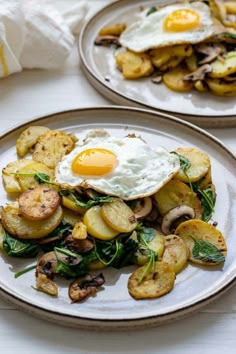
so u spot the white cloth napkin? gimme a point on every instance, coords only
(34, 34)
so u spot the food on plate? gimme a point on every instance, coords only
(183, 45)
(28, 138)
(109, 202)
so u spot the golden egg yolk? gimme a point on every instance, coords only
(94, 162)
(181, 20)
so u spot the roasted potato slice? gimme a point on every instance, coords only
(22, 228)
(118, 215)
(79, 231)
(38, 203)
(200, 164)
(222, 88)
(112, 30)
(191, 62)
(96, 265)
(175, 193)
(230, 7)
(217, 9)
(70, 204)
(201, 231)
(172, 63)
(207, 180)
(174, 79)
(222, 68)
(71, 217)
(96, 225)
(157, 245)
(176, 253)
(10, 181)
(26, 179)
(161, 56)
(134, 65)
(52, 146)
(28, 138)
(200, 86)
(158, 281)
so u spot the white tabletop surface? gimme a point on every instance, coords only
(213, 330)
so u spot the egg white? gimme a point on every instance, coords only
(140, 171)
(149, 33)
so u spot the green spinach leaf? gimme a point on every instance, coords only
(206, 251)
(17, 248)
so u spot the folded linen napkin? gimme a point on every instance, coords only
(34, 34)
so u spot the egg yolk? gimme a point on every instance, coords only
(94, 162)
(181, 20)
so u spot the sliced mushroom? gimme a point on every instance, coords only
(157, 79)
(170, 220)
(107, 40)
(143, 208)
(85, 286)
(78, 246)
(230, 78)
(198, 74)
(210, 50)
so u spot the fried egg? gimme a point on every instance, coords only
(170, 25)
(124, 167)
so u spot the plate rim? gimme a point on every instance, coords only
(72, 320)
(216, 121)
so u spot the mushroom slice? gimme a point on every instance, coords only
(85, 286)
(210, 50)
(107, 40)
(46, 285)
(143, 208)
(181, 212)
(78, 245)
(198, 74)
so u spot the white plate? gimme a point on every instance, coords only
(113, 308)
(203, 109)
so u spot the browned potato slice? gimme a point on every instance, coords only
(222, 88)
(70, 204)
(200, 164)
(161, 56)
(223, 68)
(25, 176)
(10, 181)
(207, 181)
(71, 217)
(118, 215)
(113, 30)
(176, 193)
(96, 226)
(96, 265)
(191, 62)
(230, 7)
(172, 63)
(200, 86)
(134, 65)
(176, 253)
(157, 245)
(28, 139)
(174, 79)
(38, 203)
(51, 147)
(18, 226)
(200, 230)
(79, 231)
(217, 9)
(156, 283)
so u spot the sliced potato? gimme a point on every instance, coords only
(112, 30)
(172, 63)
(200, 164)
(96, 225)
(71, 217)
(46, 285)
(200, 230)
(191, 62)
(10, 182)
(38, 203)
(161, 56)
(134, 65)
(79, 231)
(207, 180)
(70, 204)
(18, 226)
(221, 88)
(230, 7)
(52, 146)
(157, 245)
(200, 86)
(175, 193)
(156, 283)
(96, 265)
(174, 79)
(217, 9)
(119, 216)
(25, 177)
(1, 236)
(176, 253)
(222, 68)
(28, 138)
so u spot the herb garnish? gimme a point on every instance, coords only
(151, 10)
(38, 177)
(17, 248)
(25, 270)
(98, 199)
(206, 251)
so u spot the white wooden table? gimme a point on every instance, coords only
(32, 93)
